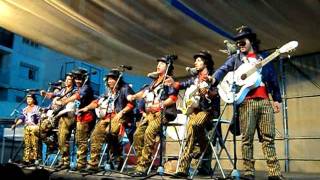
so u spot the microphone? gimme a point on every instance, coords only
(57, 83)
(231, 48)
(126, 67)
(153, 75)
(192, 71)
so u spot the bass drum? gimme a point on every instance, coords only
(180, 124)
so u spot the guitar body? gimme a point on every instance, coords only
(191, 98)
(243, 84)
(190, 101)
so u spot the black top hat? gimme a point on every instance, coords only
(113, 73)
(79, 73)
(162, 59)
(244, 32)
(204, 54)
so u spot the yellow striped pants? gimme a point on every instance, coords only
(103, 134)
(258, 114)
(64, 133)
(144, 139)
(195, 133)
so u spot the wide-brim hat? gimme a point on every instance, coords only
(244, 32)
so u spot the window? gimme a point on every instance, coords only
(30, 42)
(19, 98)
(28, 71)
(3, 94)
(1, 60)
(6, 38)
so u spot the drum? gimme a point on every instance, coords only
(179, 123)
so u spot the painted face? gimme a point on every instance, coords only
(30, 101)
(199, 64)
(69, 81)
(111, 82)
(161, 67)
(244, 45)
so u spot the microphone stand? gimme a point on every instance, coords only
(235, 174)
(113, 90)
(13, 113)
(40, 122)
(160, 170)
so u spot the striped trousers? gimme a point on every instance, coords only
(144, 139)
(66, 124)
(258, 114)
(101, 134)
(195, 133)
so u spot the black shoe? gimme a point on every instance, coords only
(276, 177)
(180, 175)
(204, 172)
(25, 163)
(62, 166)
(92, 169)
(249, 177)
(120, 164)
(78, 168)
(138, 174)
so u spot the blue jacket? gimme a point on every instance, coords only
(269, 75)
(121, 100)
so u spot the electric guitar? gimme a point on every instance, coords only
(236, 84)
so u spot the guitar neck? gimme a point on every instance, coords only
(263, 62)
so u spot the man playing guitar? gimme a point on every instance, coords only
(65, 121)
(256, 111)
(201, 114)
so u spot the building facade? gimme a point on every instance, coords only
(25, 64)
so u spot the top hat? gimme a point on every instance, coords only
(113, 73)
(79, 73)
(244, 32)
(206, 56)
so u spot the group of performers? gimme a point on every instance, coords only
(115, 110)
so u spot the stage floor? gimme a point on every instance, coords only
(65, 174)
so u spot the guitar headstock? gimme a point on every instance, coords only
(290, 46)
